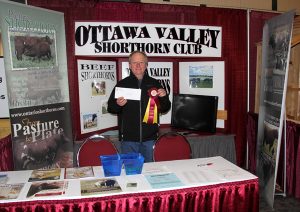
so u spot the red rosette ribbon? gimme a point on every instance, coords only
(151, 113)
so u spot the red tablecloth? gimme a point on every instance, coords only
(236, 196)
(6, 155)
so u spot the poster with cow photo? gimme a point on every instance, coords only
(34, 47)
(42, 137)
(30, 49)
(96, 79)
(36, 71)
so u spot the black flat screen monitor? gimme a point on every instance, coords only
(194, 112)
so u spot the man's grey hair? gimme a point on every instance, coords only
(138, 52)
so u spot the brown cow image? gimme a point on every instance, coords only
(38, 47)
(35, 47)
(19, 46)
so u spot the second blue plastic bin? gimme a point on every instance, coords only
(112, 164)
(133, 163)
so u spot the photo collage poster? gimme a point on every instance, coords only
(37, 84)
(96, 81)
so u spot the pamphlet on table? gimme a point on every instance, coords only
(79, 172)
(165, 180)
(10, 191)
(99, 186)
(47, 188)
(45, 174)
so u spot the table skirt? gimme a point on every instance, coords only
(235, 196)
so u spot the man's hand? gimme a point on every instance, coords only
(121, 101)
(161, 92)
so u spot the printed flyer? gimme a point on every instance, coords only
(99, 186)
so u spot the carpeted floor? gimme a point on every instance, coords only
(281, 204)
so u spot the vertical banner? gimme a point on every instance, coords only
(275, 60)
(163, 72)
(37, 85)
(96, 81)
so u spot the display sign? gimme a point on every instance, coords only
(111, 39)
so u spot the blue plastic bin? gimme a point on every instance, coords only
(133, 163)
(112, 165)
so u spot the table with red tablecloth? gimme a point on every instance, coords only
(208, 184)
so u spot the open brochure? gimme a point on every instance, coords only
(99, 186)
(10, 191)
(45, 174)
(79, 172)
(47, 188)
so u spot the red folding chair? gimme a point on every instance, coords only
(171, 146)
(90, 151)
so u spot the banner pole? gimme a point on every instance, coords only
(248, 77)
(284, 160)
(284, 168)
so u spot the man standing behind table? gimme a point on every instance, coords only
(139, 120)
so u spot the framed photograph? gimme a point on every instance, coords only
(204, 78)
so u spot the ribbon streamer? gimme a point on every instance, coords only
(151, 113)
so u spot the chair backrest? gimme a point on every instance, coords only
(171, 146)
(91, 149)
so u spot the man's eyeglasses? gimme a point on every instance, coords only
(137, 63)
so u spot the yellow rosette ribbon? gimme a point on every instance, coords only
(151, 114)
